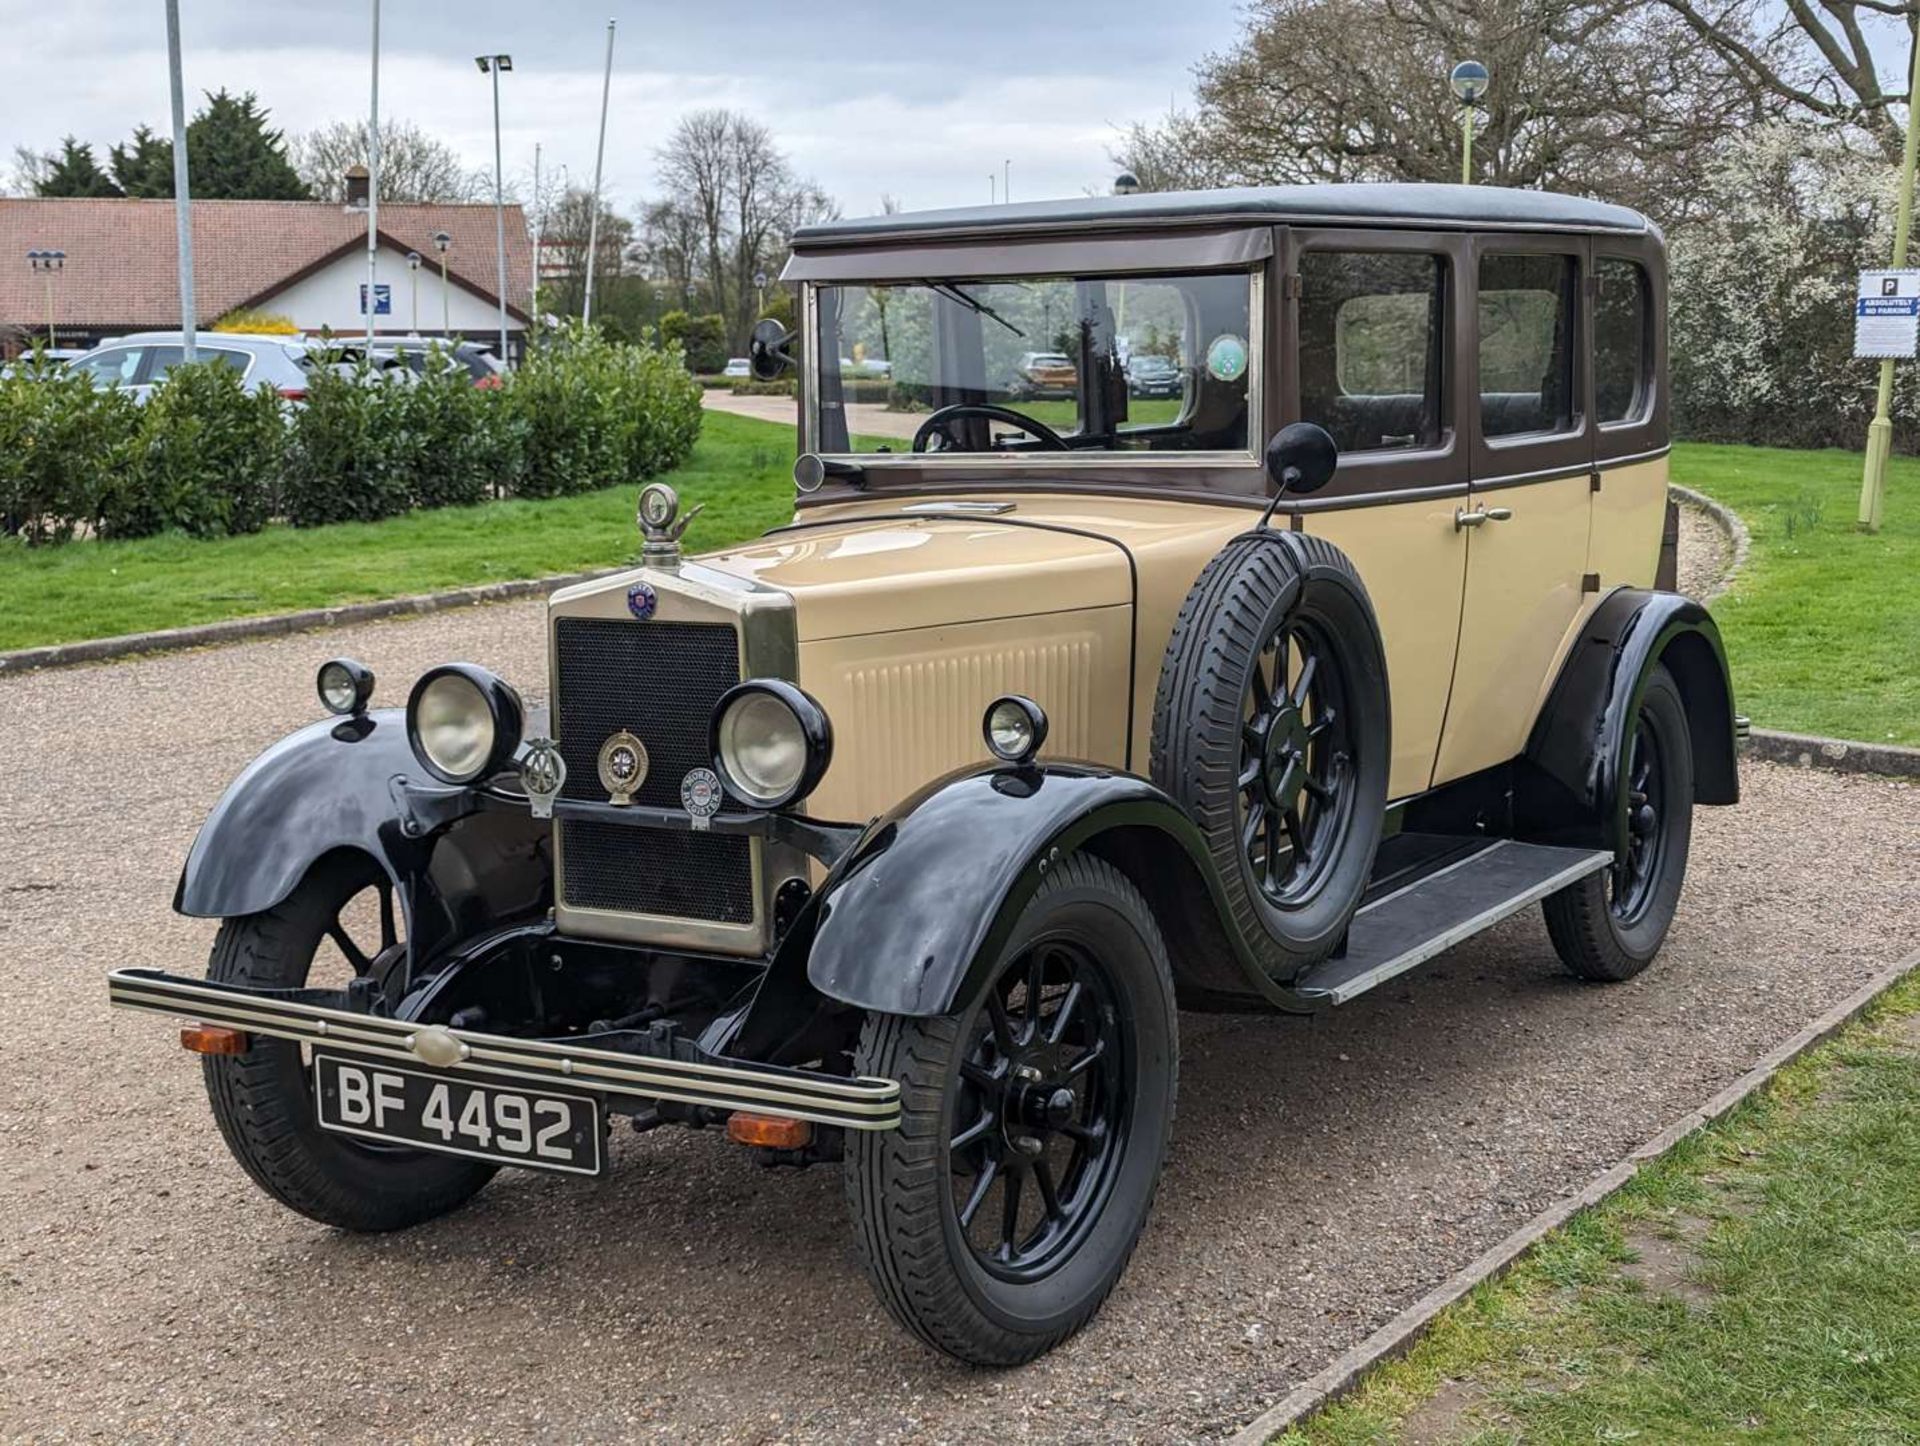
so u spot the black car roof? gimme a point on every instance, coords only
(1420, 206)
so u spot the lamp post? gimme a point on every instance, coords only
(413, 266)
(441, 241)
(1469, 81)
(182, 190)
(593, 208)
(373, 186)
(1126, 184)
(1006, 180)
(1873, 480)
(493, 65)
(45, 263)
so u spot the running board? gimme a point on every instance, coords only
(1411, 924)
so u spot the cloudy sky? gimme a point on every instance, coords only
(917, 100)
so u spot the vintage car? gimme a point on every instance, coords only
(898, 837)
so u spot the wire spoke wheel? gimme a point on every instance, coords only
(1295, 780)
(1041, 1113)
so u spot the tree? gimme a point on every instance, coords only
(563, 249)
(74, 172)
(144, 166)
(231, 155)
(732, 206)
(30, 169)
(414, 166)
(1616, 98)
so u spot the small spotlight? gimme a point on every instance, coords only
(344, 686)
(1014, 728)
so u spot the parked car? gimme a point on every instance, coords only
(1044, 374)
(138, 361)
(1149, 375)
(417, 353)
(896, 838)
(51, 356)
(737, 367)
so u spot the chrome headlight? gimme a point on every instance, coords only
(344, 686)
(463, 722)
(771, 742)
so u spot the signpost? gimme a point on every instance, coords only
(1886, 315)
(1873, 480)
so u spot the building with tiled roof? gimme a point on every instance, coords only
(303, 259)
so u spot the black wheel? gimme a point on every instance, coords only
(997, 1218)
(1271, 729)
(263, 1099)
(1610, 925)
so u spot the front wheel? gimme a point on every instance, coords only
(997, 1218)
(1609, 926)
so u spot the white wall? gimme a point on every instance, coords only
(330, 297)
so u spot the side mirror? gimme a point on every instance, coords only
(1301, 458)
(767, 350)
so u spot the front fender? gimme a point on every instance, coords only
(914, 919)
(1568, 790)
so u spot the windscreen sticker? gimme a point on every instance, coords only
(1227, 357)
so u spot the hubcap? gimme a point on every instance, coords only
(1040, 1114)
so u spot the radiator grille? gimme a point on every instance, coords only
(659, 680)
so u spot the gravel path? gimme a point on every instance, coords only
(1324, 1175)
(1703, 553)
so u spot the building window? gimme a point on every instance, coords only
(1526, 344)
(1621, 341)
(1371, 347)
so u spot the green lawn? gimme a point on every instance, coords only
(1823, 628)
(1799, 1219)
(740, 469)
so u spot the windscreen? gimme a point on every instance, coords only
(1159, 363)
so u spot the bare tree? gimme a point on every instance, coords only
(414, 166)
(1823, 60)
(30, 168)
(564, 249)
(732, 205)
(1616, 98)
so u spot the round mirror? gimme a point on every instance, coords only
(767, 353)
(1301, 458)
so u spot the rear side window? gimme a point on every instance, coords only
(1371, 353)
(1622, 350)
(166, 358)
(1526, 344)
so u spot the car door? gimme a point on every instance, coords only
(1527, 517)
(1374, 353)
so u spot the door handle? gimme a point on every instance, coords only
(1463, 519)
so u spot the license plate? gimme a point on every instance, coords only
(540, 1131)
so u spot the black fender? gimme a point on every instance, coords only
(913, 920)
(353, 784)
(1566, 789)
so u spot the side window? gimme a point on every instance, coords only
(1526, 344)
(116, 368)
(1621, 341)
(166, 358)
(1372, 329)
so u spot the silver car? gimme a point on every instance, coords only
(138, 361)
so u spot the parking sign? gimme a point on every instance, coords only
(1886, 314)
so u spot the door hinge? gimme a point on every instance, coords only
(1593, 480)
(1590, 582)
(1290, 287)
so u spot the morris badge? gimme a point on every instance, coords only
(623, 767)
(642, 600)
(700, 796)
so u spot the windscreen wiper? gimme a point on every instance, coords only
(973, 304)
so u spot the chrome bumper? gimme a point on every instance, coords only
(855, 1104)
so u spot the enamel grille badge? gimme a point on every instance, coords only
(543, 773)
(642, 600)
(700, 795)
(623, 767)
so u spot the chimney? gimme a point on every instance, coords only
(356, 188)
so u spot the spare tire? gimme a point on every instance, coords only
(1271, 729)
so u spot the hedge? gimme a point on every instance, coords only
(206, 457)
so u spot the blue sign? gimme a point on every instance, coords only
(1887, 306)
(382, 299)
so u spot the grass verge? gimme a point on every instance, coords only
(1823, 626)
(1782, 1310)
(741, 470)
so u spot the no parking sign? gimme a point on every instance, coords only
(1886, 314)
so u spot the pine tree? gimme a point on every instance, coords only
(74, 172)
(231, 155)
(144, 166)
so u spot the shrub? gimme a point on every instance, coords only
(455, 439)
(591, 413)
(347, 454)
(204, 459)
(260, 323)
(60, 439)
(702, 338)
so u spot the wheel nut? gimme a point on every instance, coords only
(1027, 1145)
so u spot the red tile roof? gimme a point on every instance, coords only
(122, 262)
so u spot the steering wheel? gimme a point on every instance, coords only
(936, 425)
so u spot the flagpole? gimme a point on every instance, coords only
(182, 197)
(600, 151)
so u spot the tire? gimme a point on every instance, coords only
(972, 1287)
(1610, 925)
(263, 1100)
(1208, 732)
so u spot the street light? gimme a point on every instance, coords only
(413, 265)
(46, 263)
(441, 241)
(1469, 81)
(1126, 184)
(495, 65)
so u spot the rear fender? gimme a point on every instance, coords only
(351, 784)
(1566, 789)
(913, 921)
